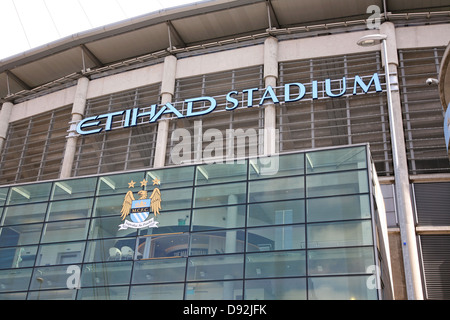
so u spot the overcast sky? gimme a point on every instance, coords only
(26, 24)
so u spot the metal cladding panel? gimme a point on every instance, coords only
(436, 263)
(433, 203)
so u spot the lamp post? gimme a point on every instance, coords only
(401, 178)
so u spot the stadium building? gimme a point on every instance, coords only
(251, 149)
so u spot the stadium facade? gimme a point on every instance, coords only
(231, 150)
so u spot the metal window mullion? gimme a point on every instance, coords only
(407, 117)
(311, 77)
(24, 150)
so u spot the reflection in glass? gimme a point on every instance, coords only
(172, 291)
(339, 208)
(63, 253)
(215, 268)
(159, 270)
(14, 280)
(272, 213)
(340, 234)
(218, 218)
(24, 214)
(276, 238)
(3, 194)
(275, 289)
(70, 209)
(108, 227)
(162, 246)
(29, 193)
(276, 189)
(217, 242)
(105, 274)
(336, 160)
(49, 278)
(222, 290)
(118, 184)
(169, 222)
(20, 235)
(218, 195)
(65, 231)
(340, 288)
(221, 172)
(340, 261)
(103, 293)
(275, 264)
(176, 199)
(171, 177)
(17, 257)
(276, 166)
(52, 295)
(108, 205)
(110, 250)
(76, 188)
(330, 184)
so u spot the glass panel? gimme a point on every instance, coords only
(103, 293)
(53, 295)
(218, 218)
(218, 195)
(77, 188)
(109, 185)
(172, 177)
(64, 253)
(70, 209)
(169, 222)
(221, 172)
(276, 166)
(162, 246)
(109, 249)
(65, 231)
(20, 235)
(276, 189)
(339, 261)
(275, 264)
(108, 228)
(337, 183)
(340, 288)
(271, 213)
(276, 238)
(340, 234)
(50, 278)
(159, 270)
(24, 214)
(107, 206)
(175, 199)
(215, 268)
(339, 208)
(29, 193)
(158, 292)
(3, 194)
(275, 289)
(13, 296)
(336, 160)
(19, 257)
(217, 242)
(14, 280)
(223, 290)
(106, 274)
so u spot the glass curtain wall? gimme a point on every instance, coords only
(225, 231)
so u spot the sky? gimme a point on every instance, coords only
(26, 24)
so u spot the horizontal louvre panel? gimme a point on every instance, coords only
(433, 203)
(436, 261)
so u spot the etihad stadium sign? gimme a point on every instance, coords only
(245, 99)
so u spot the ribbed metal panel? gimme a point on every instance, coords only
(433, 203)
(436, 262)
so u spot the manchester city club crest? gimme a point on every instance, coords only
(139, 210)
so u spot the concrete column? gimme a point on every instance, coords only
(78, 108)
(270, 79)
(167, 92)
(402, 188)
(5, 114)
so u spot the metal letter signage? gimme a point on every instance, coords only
(201, 106)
